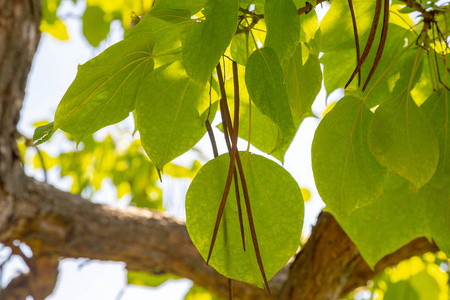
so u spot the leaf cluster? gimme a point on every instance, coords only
(380, 157)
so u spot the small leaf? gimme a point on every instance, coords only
(303, 78)
(347, 176)
(198, 293)
(171, 110)
(147, 279)
(43, 133)
(283, 27)
(277, 207)
(205, 41)
(241, 46)
(95, 25)
(57, 29)
(104, 91)
(402, 139)
(265, 83)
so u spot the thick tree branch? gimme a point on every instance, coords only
(61, 224)
(330, 265)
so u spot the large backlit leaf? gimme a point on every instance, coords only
(303, 78)
(170, 112)
(347, 176)
(265, 83)
(402, 139)
(375, 228)
(437, 109)
(205, 41)
(104, 91)
(283, 27)
(277, 208)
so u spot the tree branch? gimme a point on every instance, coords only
(61, 224)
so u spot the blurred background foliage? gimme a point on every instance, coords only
(96, 18)
(125, 165)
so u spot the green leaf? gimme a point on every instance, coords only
(193, 6)
(205, 41)
(390, 79)
(147, 279)
(265, 135)
(402, 139)
(171, 111)
(309, 24)
(105, 88)
(95, 25)
(164, 25)
(386, 225)
(336, 27)
(277, 208)
(283, 27)
(303, 79)
(437, 203)
(437, 109)
(43, 133)
(198, 293)
(401, 290)
(241, 47)
(347, 176)
(265, 84)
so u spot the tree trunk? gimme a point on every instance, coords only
(57, 224)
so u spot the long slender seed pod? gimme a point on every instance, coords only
(380, 49)
(234, 141)
(247, 202)
(355, 33)
(369, 43)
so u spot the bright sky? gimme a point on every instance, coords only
(54, 68)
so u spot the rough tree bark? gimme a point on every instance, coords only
(56, 224)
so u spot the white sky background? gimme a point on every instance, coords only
(54, 68)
